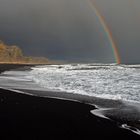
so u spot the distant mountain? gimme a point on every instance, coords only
(13, 54)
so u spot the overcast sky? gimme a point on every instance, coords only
(69, 29)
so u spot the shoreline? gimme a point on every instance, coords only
(24, 116)
(126, 114)
(35, 117)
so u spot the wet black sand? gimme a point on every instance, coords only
(37, 118)
(5, 67)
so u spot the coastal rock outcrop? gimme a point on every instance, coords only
(14, 54)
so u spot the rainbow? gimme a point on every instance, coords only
(107, 31)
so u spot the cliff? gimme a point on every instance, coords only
(13, 54)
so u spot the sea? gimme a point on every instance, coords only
(109, 81)
(101, 80)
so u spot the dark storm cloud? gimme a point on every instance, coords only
(69, 30)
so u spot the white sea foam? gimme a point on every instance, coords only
(106, 81)
(118, 82)
(133, 129)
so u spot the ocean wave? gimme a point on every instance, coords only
(106, 81)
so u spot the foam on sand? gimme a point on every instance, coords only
(127, 115)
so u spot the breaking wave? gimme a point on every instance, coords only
(100, 80)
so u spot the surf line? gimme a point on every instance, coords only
(106, 30)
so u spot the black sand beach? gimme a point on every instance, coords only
(36, 118)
